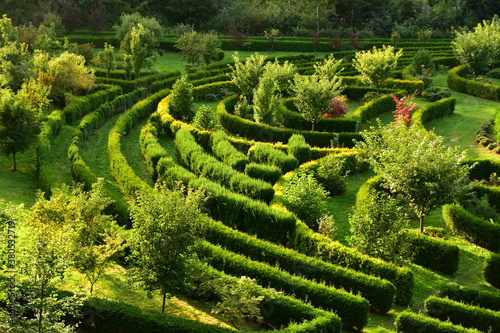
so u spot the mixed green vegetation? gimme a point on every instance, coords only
(192, 182)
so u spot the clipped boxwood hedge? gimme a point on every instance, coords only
(483, 298)
(482, 168)
(458, 82)
(266, 154)
(434, 110)
(409, 322)
(380, 293)
(353, 310)
(462, 314)
(472, 228)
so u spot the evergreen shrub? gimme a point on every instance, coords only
(492, 270)
(410, 322)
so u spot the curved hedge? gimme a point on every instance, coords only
(205, 165)
(434, 253)
(265, 154)
(463, 314)
(457, 82)
(375, 107)
(409, 322)
(482, 168)
(353, 310)
(226, 152)
(262, 132)
(434, 110)
(472, 228)
(311, 243)
(380, 293)
(492, 270)
(142, 82)
(485, 299)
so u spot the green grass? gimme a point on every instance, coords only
(131, 149)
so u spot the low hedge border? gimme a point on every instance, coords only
(145, 81)
(434, 253)
(433, 110)
(353, 310)
(483, 298)
(227, 153)
(429, 252)
(380, 293)
(492, 270)
(462, 314)
(472, 228)
(206, 165)
(486, 136)
(482, 168)
(266, 154)
(262, 132)
(458, 82)
(124, 175)
(409, 322)
(52, 125)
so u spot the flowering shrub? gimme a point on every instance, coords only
(404, 107)
(338, 107)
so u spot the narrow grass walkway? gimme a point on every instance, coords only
(131, 149)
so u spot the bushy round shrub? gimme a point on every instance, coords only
(436, 93)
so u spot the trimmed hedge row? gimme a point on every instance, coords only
(236, 210)
(463, 314)
(80, 170)
(409, 86)
(265, 154)
(266, 133)
(472, 228)
(433, 253)
(311, 243)
(268, 173)
(124, 175)
(227, 153)
(205, 165)
(492, 270)
(375, 107)
(409, 322)
(118, 317)
(298, 148)
(485, 299)
(353, 310)
(380, 293)
(145, 81)
(47, 176)
(434, 110)
(456, 81)
(77, 108)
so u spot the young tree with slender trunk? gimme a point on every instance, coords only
(166, 226)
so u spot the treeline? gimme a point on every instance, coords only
(342, 18)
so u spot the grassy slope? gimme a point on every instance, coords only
(458, 130)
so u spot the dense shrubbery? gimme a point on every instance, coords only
(434, 110)
(266, 154)
(226, 152)
(474, 229)
(409, 322)
(463, 314)
(268, 173)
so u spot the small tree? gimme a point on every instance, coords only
(379, 228)
(107, 57)
(19, 123)
(247, 75)
(129, 21)
(15, 66)
(66, 73)
(271, 36)
(166, 225)
(181, 100)
(416, 165)
(266, 102)
(196, 48)
(140, 43)
(376, 66)
(480, 48)
(239, 300)
(314, 94)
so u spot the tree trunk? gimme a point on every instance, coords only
(163, 302)
(312, 127)
(421, 218)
